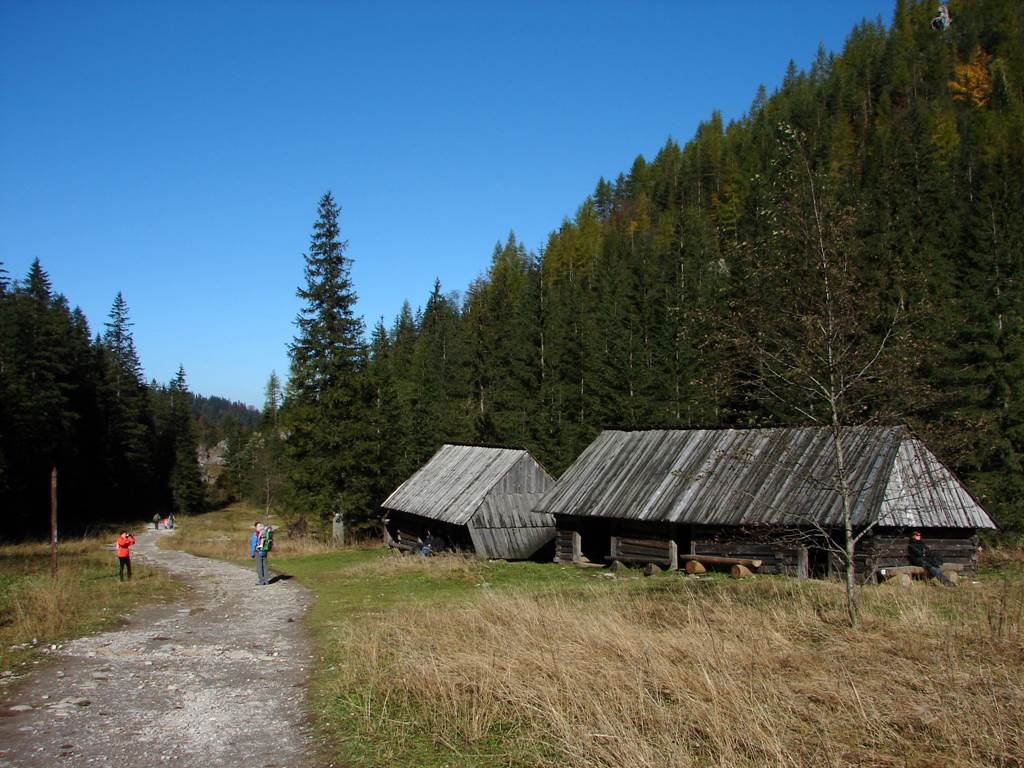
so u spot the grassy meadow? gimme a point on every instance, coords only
(36, 610)
(449, 661)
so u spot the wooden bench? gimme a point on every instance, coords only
(664, 552)
(407, 542)
(740, 567)
(903, 574)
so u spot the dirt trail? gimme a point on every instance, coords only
(217, 679)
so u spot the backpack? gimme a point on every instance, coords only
(267, 539)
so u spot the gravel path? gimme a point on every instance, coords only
(215, 680)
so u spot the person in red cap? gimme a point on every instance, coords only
(124, 554)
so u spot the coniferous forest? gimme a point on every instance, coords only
(901, 158)
(882, 188)
(123, 449)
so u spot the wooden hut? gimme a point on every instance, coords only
(474, 498)
(767, 495)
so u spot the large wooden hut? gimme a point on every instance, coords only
(474, 498)
(764, 494)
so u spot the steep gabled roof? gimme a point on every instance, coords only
(750, 477)
(923, 493)
(452, 485)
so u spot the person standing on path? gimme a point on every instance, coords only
(124, 554)
(156, 522)
(257, 551)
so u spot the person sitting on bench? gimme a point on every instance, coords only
(924, 557)
(426, 545)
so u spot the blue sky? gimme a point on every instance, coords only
(177, 151)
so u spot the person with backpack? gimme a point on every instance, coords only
(124, 554)
(260, 543)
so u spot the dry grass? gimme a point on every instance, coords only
(455, 662)
(86, 595)
(224, 535)
(677, 672)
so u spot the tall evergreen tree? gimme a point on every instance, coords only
(130, 430)
(184, 482)
(268, 446)
(330, 440)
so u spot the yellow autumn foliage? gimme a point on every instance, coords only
(972, 81)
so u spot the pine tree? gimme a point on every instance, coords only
(330, 441)
(384, 414)
(185, 483)
(130, 440)
(48, 412)
(268, 445)
(437, 373)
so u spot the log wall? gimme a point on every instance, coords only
(567, 546)
(791, 553)
(775, 556)
(663, 552)
(887, 548)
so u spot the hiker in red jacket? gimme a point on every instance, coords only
(124, 554)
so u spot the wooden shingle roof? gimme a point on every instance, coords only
(452, 486)
(760, 477)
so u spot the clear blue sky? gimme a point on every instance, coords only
(177, 151)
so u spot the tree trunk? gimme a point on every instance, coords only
(849, 542)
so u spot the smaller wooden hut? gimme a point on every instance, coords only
(474, 499)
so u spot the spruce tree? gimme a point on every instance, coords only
(267, 445)
(47, 415)
(330, 440)
(130, 440)
(185, 483)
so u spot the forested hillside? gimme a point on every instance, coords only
(900, 159)
(866, 219)
(218, 417)
(122, 449)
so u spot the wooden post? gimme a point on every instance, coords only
(338, 530)
(803, 570)
(614, 548)
(673, 555)
(53, 522)
(577, 547)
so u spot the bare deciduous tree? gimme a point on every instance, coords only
(819, 325)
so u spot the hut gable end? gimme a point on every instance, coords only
(923, 493)
(487, 492)
(451, 486)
